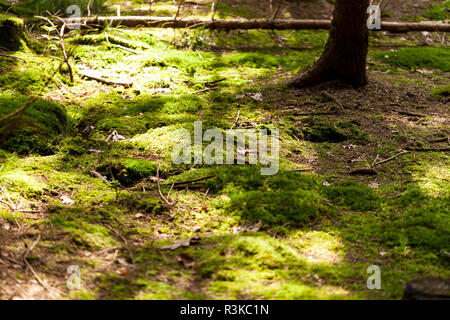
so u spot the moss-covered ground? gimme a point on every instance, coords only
(309, 232)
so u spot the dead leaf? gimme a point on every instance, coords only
(256, 96)
(177, 244)
(139, 215)
(122, 271)
(122, 262)
(67, 201)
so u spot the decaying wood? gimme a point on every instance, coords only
(244, 24)
(364, 171)
(105, 81)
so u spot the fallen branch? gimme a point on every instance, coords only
(303, 170)
(411, 114)
(244, 24)
(192, 181)
(125, 48)
(445, 139)
(428, 149)
(106, 81)
(389, 159)
(12, 57)
(20, 110)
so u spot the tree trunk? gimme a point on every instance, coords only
(345, 54)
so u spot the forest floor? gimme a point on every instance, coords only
(71, 198)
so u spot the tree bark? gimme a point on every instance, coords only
(345, 54)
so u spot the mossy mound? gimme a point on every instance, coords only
(35, 130)
(128, 172)
(330, 130)
(12, 36)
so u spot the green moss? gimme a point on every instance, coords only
(438, 11)
(81, 295)
(354, 196)
(92, 39)
(260, 267)
(418, 57)
(12, 36)
(277, 207)
(34, 132)
(330, 130)
(86, 229)
(137, 170)
(19, 180)
(440, 92)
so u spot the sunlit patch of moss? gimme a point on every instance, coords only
(81, 295)
(319, 247)
(430, 175)
(418, 57)
(20, 181)
(86, 228)
(159, 141)
(258, 266)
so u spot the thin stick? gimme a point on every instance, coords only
(214, 7)
(180, 3)
(12, 57)
(159, 189)
(333, 98)
(63, 48)
(106, 81)
(168, 195)
(25, 260)
(389, 159)
(179, 183)
(20, 110)
(429, 149)
(124, 241)
(375, 161)
(237, 120)
(89, 8)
